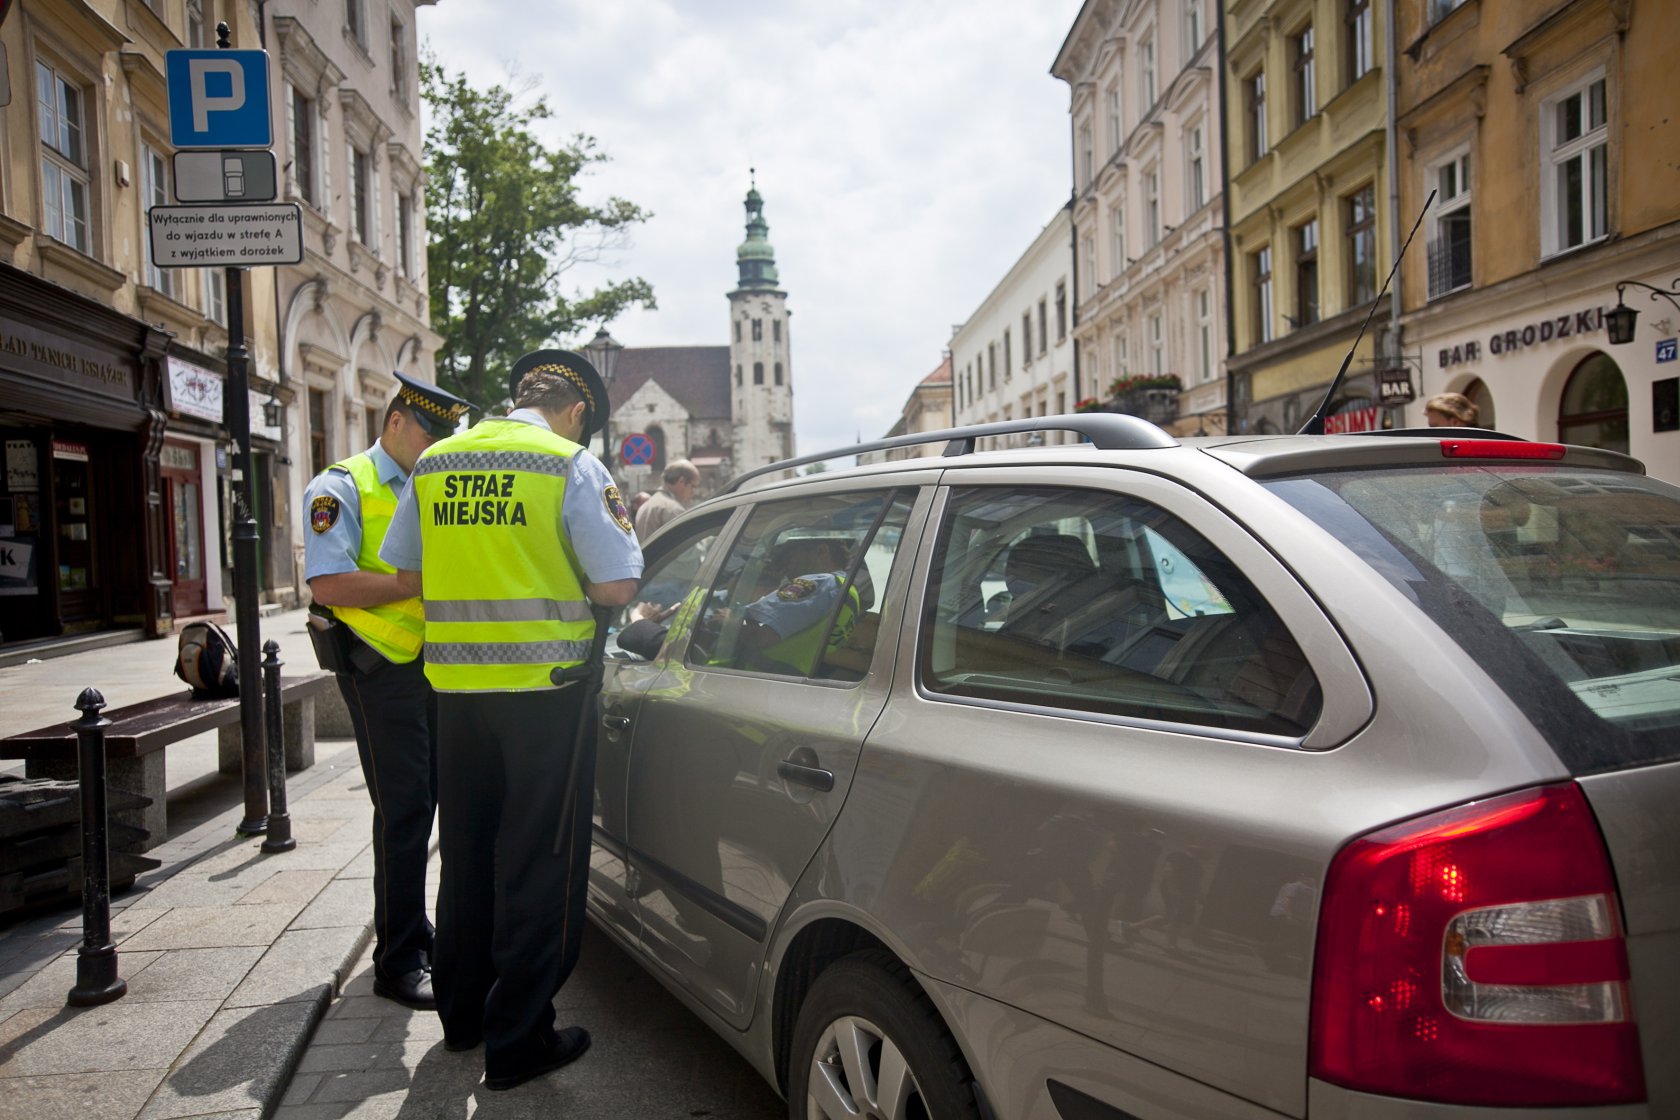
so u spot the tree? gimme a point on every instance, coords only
(506, 224)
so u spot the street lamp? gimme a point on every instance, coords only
(1621, 319)
(602, 353)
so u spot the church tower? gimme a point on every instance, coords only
(760, 367)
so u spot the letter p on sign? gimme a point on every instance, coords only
(218, 99)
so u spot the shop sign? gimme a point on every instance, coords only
(17, 568)
(1546, 330)
(1394, 386)
(56, 358)
(1353, 420)
(69, 449)
(22, 471)
(194, 391)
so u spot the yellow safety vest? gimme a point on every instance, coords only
(798, 651)
(394, 629)
(504, 603)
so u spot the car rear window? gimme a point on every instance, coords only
(1563, 583)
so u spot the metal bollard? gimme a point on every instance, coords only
(279, 821)
(96, 961)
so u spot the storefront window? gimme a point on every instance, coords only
(1593, 411)
(1479, 396)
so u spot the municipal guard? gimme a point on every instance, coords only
(512, 529)
(369, 632)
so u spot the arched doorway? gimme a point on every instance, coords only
(1594, 408)
(657, 435)
(1479, 396)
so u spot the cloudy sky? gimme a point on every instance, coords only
(908, 152)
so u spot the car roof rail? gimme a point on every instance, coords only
(1108, 431)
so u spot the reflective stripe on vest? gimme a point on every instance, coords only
(504, 603)
(394, 629)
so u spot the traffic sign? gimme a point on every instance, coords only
(225, 176)
(218, 99)
(196, 236)
(637, 450)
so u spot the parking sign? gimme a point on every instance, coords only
(218, 99)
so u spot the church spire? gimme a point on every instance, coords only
(755, 259)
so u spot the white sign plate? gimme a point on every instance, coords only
(194, 390)
(225, 176)
(197, 236)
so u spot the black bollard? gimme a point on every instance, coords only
(96, 961)
(279, 821)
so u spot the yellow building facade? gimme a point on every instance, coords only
(1547, 131)
(1305, 87)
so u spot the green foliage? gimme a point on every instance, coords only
(505, 224)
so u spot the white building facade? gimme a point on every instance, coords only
(1013, 357)
(1148, 209)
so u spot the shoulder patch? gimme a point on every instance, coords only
(795, 590)
(323, 513)
(615, 507)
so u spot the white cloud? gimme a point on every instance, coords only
(908, 153)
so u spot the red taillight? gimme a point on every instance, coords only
(1476, 956)
(1500, 449)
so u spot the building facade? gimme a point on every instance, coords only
(347, 124)
(926, 409)
(1013, 357)
(1148, 212)
(112, 371)
(1308, 195)
(1541, 128)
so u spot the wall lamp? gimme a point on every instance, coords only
(1620, 321)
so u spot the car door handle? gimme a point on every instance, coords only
(820, 780)
(615, 723)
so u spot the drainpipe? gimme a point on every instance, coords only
(1073, 286)
(1395, 350)
(1225, 229)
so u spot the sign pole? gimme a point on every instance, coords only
(245, 552)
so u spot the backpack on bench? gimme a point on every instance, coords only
(208, 661)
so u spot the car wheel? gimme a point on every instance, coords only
(870, 1044)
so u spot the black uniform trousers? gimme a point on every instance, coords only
(394, 712)
(510, 908)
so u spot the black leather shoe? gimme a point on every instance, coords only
(460, 1045)
(411, 989)
(569, 1044)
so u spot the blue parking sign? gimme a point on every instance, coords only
(218, 99)
(1668, 349)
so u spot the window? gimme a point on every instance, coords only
(1360, 52)
(1007, 350)
(318, 431)
(991, 367)
(1146, 56)
(737, 375)
(405, 234)
(1440, 9)
(1254, 109)
(1361, 207)
(1306, 82)
(1152, 206)
(1061, 311)
(758, 373)
(758, 330)
(1306, 273)
(215, 295)
(1088, 248)
(1574, 135)
(1097, 602)
(1157, 352)
(671, 583)
(1117, 240)
(777, 371)
(1193, 32)
(1043, 327)
(1122, 355)
(361, 212)
(1087, 169)
(399, 59)
(65, 185)
(154, 185)
(1026, 338)
(799, 593)
(1196, 173)
(1449, 221)
(1204, 335)
(371, 424)
(355, 21)
(1114, 129)
(303, 146)
(1594, 408)
(775, 330)
(195, 24)
(737, 330)
(1260, 265)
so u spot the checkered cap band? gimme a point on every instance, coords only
(574, 378)
(414, 397)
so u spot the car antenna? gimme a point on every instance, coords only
(1315, 423)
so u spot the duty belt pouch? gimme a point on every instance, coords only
(332, 641)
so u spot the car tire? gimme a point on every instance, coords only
(865, 1015)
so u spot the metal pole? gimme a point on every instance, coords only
(279, 821)
(96, 961)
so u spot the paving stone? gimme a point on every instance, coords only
(117, 1036)
(342, 902)
(343, 1087)
(48, 987)
(77, 1096)
(362, 1056)
(191, 974)
(301, 1085)
(301, 965)
(239, 1062)
(294, 887)
(208, 927)
(350, 1032)
(362, 1007)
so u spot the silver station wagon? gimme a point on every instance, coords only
(1288, 776)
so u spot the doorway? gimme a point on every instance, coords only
(184, 492)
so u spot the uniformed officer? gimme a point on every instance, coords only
(512, 529)
(370, 634)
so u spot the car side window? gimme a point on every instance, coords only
(799, 592)
(1095, 601)
(670, 580)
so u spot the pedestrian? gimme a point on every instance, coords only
(368, 631)
(1451, 410)
(636, 503)
(678, 486)
(512, 529)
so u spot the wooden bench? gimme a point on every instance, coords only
(138, 734)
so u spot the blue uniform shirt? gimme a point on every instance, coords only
(606, 550)
(334, 539)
